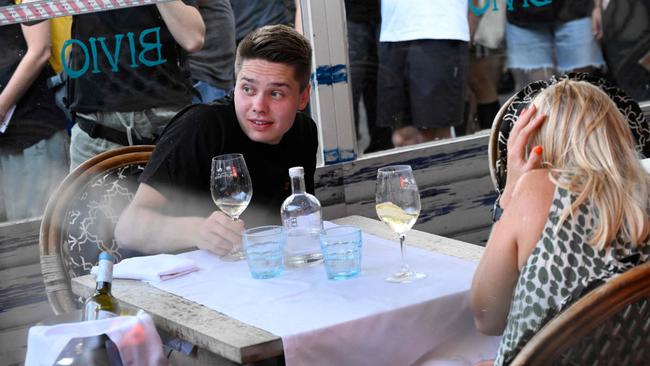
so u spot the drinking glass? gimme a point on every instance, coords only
(264, 248)
(341, 246)
(398, 206)
(232, 189)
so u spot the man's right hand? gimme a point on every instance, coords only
(219, 233)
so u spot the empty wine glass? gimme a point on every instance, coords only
(232, 189)
(398, 205)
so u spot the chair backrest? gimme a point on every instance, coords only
(493, 143)
(80, 218)
(608, 326)
(510, 110)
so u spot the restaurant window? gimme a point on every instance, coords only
(386, 72)
(428, 70)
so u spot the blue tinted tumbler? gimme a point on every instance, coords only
(264, 249)
(341, 248)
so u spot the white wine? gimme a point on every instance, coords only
(232, 207)
(102, 304)
(399, 220)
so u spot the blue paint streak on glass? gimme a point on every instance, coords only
(323, 76)
(370, 172)
(346, 155)
(339, 73)
(328, 75)
(331, 156)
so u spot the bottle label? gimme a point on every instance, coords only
(307, 221)
(103, 314)
(105, 271)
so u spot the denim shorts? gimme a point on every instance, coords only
(562, 46)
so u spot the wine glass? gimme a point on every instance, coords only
(232, 189)
(398, 205)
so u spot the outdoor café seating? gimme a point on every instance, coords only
(323, 182)
(80, 218)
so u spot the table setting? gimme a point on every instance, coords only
(323, 321)
(341, 305)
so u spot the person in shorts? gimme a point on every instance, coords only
(423, 62)
(548, 39)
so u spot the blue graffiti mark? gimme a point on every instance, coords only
(330, 74)
(331, 156)
(149, 41)
(335, 156)
(479, 10)
(346, 155)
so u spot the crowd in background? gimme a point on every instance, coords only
(419, 71)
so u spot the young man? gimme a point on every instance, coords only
(169, 210)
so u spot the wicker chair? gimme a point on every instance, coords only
(510, 110)
(80, 218)
(608, 326)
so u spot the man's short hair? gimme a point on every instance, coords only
(279, 44)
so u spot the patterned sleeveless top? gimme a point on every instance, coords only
(561, 268)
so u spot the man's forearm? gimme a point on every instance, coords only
(149, 231)
(184, 23)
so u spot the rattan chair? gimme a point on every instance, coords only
(510, 110)
(80, 218)
(608, 326)
(493, 149)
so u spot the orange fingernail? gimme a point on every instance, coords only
(538, 150)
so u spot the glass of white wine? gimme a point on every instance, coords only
(232, 190)
(398, 205)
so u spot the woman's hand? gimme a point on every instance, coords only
(527, 123)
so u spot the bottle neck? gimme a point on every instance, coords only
(298, 184)
(103, 287)
(104, 276)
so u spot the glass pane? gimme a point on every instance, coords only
(428, 70)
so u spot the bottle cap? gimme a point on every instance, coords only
(296, 171)
(105, 256)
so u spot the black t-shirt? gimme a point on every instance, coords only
(250, 15)
(556, 11)
(126, 60)
(180, 165)
(35, 117)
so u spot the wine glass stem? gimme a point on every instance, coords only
(402, 237)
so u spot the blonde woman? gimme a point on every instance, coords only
(575, 213)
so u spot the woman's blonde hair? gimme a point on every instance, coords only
(590, 150)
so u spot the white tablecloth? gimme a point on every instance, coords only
(362, 321)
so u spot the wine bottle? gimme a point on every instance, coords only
(301, 217)
(102, 304)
